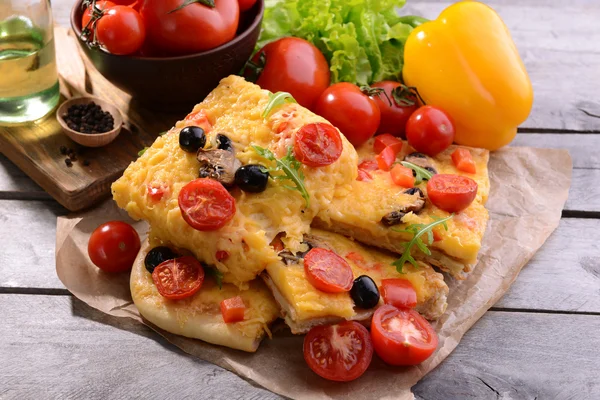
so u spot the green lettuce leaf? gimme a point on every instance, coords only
(363, 40)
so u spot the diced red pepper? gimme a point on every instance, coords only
(436, 235)
(402, 176)
(364, 176)
(387, 140)
(368, 165)
(233, 309)
(277, 243)
(221, 255)
(464, 161)
(386, 158)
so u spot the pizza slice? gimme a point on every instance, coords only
(236, 129)
(200, 316)
(304, 306)
(386, 210)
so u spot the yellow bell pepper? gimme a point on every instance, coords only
(466, 63)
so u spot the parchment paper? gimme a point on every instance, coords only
(529, 188)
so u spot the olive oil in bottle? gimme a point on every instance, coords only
(28, 76)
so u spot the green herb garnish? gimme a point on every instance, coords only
(142, 151)
(291, 168)
(277, 100)
(421, 173)
(215, 273)
(418, 230)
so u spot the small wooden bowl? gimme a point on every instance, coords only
(90, 139)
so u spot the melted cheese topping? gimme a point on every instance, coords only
(379, 196)
(309, 302)
(234, 108)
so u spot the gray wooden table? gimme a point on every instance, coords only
(541, 341)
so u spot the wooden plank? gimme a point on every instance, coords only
(564, 275)
(55, 347)
(521, 356)
(552, 51)
(28, 235)
(584, 148)
(58, 347)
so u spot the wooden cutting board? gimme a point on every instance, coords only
(36, 147)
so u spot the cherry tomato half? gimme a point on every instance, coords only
(399, 293)
(402, 336)
(327, 271)
(394, 115)
(339, 352)
(451, 193)
(121, 30)
(206, 205)
(87, 14)
(317, 145)
(349, 110)
(192, 28)
(113, 246)
(178, 278)
(291, 65)
(430, 130)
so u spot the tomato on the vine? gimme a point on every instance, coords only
(291, 65)
(113, 246)
(350, 110)
(402, 336)
(87, 14)
(396, 103)
(430, 130)
(177, 28)
(121, 30)
(340, 352)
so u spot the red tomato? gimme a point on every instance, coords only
(451, 193)
(291, 65)
(402, 336)
(402, 176)
(386, 158)
(327, 271)
(191, 29)
(221, 255)
(206, 205)
(339, 352)
(394, 114)
(233, 309)
(385, 140)
(156, 191)
(430, 130)
(87, 14)
(317, 145)
(121, 30)
(463, 160)
(369, 165)
(113, 246)
(351, 111)
(245, 5)
(178, 278)
(399, 293)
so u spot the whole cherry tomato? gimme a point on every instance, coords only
(396, 103)
(291, 65)
(121, 30)
(340, 352)
(350, 110)
(113, 246)
(176, 28)
(430, 130)
(402, 336)
(87, 14)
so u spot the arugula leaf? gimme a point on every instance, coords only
(291, 168)
(277, 100)
(418, 230)
(215, 273)
(142, 151)
(421, 173)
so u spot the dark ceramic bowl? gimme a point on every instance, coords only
(175, 82)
